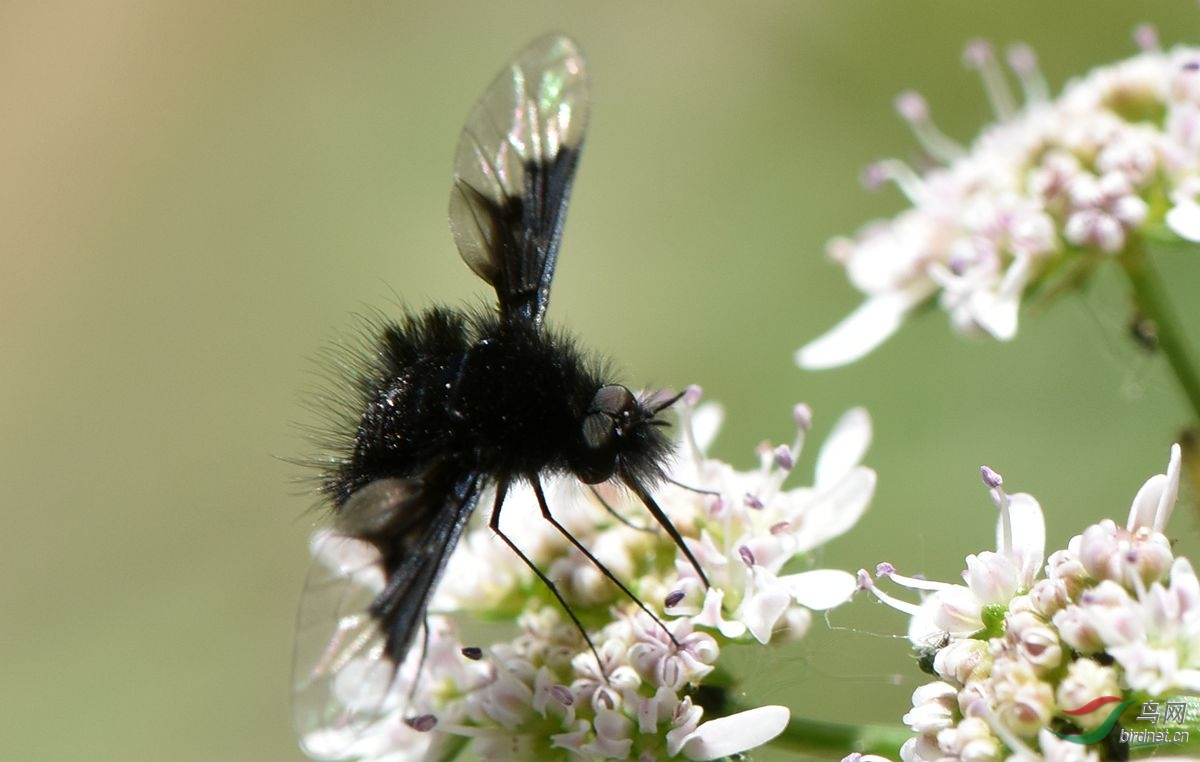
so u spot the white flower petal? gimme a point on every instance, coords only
(1028, 536)
(844, 447)
(861, 331)
(706, 422)
(736, 733)
(955, 610)
(922, 627)
(820, 589)
(1145, 503)
(763, 610)
(1170, 493)
(993, 578)
(711, 616)
(997, 314)
(1154, 502)
(1184, 220)
(833, 512)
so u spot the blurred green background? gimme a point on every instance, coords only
(195, 197)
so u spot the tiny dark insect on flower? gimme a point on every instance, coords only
(926, 654)
(448, 403)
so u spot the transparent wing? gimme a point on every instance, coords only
(513, 169)
(343, 681)
(363, 609)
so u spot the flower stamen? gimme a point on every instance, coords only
(897, 172)
(913, 109)
(980, 56)
(1023, 61)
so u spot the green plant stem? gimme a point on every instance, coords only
(1154, 304)
(839, 739)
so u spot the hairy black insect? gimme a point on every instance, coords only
(449, 403)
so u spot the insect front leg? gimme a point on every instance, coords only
(541, 497)
(665, 522)
(613, 511)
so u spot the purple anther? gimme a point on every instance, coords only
(747, 556)
(562, 694)
(911, 106)
(422, 723)
(977, 53)
(992, 479)
(784, 458)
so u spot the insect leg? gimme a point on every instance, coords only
(494, 523)
(690, 488)
(600, 498)
(424, 652)
(666, 524)
(541, 497)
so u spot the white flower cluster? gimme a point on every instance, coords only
(1115, 614)
(1049, 191)
(542, 694)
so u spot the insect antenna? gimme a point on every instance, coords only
(608, 507)
(541, 497)
(665, 523)
(661, 406)
(494, 523)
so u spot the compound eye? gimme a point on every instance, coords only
(613, 399)
(598, 431)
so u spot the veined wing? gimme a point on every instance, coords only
(513, 169)
(362, 609)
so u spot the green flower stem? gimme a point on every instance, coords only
(836, 740)
(1152, 300)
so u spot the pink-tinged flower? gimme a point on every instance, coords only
(542, 687)
(1052, 187)
(1115, 614)
(751, 527)
(992, 578)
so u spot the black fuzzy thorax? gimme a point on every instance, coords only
(449, 393)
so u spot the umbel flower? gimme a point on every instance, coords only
(1049, 191)
(539, 692)
(1019, 645)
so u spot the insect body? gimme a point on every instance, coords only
(452, 402)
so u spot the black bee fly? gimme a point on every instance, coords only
(449, 403)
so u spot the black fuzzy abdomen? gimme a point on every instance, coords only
(404, 385)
